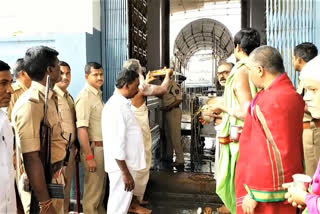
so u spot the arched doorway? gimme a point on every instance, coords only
(206, 39)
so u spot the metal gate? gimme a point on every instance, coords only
(289, 23)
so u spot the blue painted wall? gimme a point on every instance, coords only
(74, 48)
(13, 47)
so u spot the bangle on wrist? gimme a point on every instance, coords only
(45, 205)
(89, 157)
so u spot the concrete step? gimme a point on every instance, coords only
(182, 182)
(181, 192)
(176, 203)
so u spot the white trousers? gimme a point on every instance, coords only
(119, 199)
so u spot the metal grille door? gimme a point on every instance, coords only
(289, 23)
(115, 39)
(138, 30)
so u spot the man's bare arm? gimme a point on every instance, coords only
(127, 178)
(157, 90)
(84, 140)
(243, 94)
(85, 146)
(35, 172)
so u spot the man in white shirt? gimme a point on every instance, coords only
(7, 192)
(123, 147)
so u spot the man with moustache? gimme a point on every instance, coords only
(88, 107)
(123, 142)
(68, 123)
(223, 71)
(8, 195)
(27, 114)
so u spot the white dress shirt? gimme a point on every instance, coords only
(7, 191)
(122, 136)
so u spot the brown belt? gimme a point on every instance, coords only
(312, 124)
(98, 143)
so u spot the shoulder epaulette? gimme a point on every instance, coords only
(34, 96)
(16, 87)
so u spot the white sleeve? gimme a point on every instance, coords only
(114, 133)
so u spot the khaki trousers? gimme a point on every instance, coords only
(94, 183)
(311, 149)
(58, 203)
(173, 134)
(68, 174)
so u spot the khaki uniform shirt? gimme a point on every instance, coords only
(307, 116)
(27, 115)
(174, 92)
(89, 106)
(18, 89)
(67, 114)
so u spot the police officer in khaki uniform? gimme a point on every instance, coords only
(27, 115)
(170, 105)
(89, 106)
(303, 53)
(68, 123)
(23, 82)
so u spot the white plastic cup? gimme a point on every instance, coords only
(301, 181)
(235, 132)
